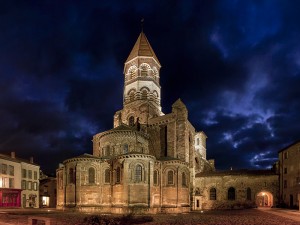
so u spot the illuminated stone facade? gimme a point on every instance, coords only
(289, 167)
(149, 161)
(236, 189)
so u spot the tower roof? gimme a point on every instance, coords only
(179, 104)
(142, 47)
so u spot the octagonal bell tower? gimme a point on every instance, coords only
(142, 91)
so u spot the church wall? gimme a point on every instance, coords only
(175, 193)
(154, 141)
(172, 132)
(257, 184)
(138, 194)
(182, 130)
(60, 187)
(169, 196)
(113, 144)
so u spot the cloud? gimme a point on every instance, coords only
(235, 64)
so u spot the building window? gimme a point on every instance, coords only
(183, 180)
(4, 182)
(131, 121)
(24, 172)
(35, 186)
(118, 175)
(71, 176)
(170, 177)
(11, 183)
(30, 174)
(138, 173)
(155, 177)
(231, 193)
(212, 194)
(198, 142)
(107, 176)
(35, 175)
(23, 184)
(107, 150)
(29, 185)
(249, 194)
(285, 155)
(285, 184)
(125, 148)
(11, 170)
(91, 175)
(285, 170)
(140, 148)
(144, 94)
(144, 70)
(4, 169)
(131, 96)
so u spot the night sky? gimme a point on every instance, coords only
(235, 64)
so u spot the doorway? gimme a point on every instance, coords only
(291, 201)
(264, 199)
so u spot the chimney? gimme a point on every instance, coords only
(31, 159)
(13, 155)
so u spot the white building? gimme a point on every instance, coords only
(19, 181)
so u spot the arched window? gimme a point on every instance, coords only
(144, 69)
(249, 194)
(212, 194)
(91, 175)
(118, 175)
(125, 148)
(107, 150)
(155, 177)
(132, 72)
(198, 141)
(231, 193)
(138, 173)
(107, 176)
(144, 94)
(170, 177)
(131, 96)
(183, 180)
(155, 71)
(71, 176)
(139, 147)
(131, 121)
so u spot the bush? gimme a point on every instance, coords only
(124, 220)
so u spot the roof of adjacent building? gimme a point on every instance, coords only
(142, 47)
(294, 143)
(16, 159)
(236, 173)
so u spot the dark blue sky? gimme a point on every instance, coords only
(234, 63)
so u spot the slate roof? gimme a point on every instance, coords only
(16, 159)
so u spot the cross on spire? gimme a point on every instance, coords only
(142, 24)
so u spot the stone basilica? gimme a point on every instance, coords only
(152, 162)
